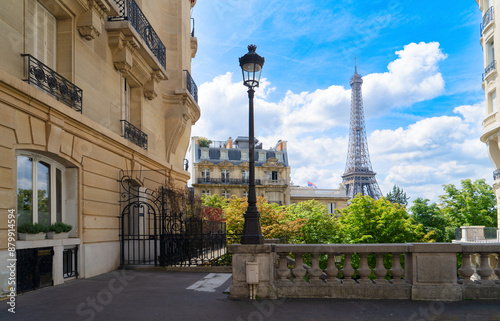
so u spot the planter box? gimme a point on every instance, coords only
(31, 237)
(54, 235)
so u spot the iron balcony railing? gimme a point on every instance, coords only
(41, 76)
(129, 10)
(135, 135)
(228, 181)
(491, 66)
(192, 27)
(496, 174)
(70, 263)
(487, 18)
(191, 86)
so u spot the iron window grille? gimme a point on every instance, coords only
(129, 10)
(41, 76)
(191, 86)
(135, 135)
(70, 263)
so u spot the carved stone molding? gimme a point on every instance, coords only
(88, 32)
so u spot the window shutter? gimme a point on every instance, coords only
(50, 39)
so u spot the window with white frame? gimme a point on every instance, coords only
(331, 208)
(226, 194)
(204, 153)
(223, 154)
(490, 52)
(492, 102)
(272, 175)
(46, 190)
(262, 156)
(41, 33)
(279, 156)
(125, 100)
(205, 175)
(206, 192)
(225, 175)
(244, 155)
(245, 193)
(245, 175)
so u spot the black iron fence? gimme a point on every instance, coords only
(135, 135)
(41, 76)
(191, 86)
(227, 181)
(129, 10)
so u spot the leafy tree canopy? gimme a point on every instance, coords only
(473, 204)
(431, 218)
(397, 195)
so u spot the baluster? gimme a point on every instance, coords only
(364, 270)
(396, 270)
(497, 269)
(283, 270)
(466, 270)
(331, 270)
(315, 272)
(347, 270)
(484, 270)
(380, 271)
(298, 271)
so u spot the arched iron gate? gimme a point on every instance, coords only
(151, 233)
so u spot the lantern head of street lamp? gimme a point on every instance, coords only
(251, 66)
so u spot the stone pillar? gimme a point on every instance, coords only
(431, 268)
(262, 253)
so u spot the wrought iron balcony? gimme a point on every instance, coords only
(496, 174)
(227, 181)
(191, 86)
(491, 66)
(51, 82)
(135, 135)
(487, 18)
(129, 10)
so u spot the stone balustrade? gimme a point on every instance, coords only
(417, 271)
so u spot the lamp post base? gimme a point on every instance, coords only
(252, 233)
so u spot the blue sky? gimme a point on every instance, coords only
(421, 61)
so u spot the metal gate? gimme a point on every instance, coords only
(156, 232)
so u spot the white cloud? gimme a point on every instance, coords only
(427, 153)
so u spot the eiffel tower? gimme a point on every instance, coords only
(359, 176)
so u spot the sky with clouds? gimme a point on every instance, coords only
(421, 63)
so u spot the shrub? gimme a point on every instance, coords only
(31, 228)
(60, 227)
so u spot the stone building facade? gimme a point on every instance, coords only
(491, 86)
(332, 198)
(89, 90)
(222, 167)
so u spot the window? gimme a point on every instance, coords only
(223, 154)
(331, 208)
(245, 194)
(244, 155)
(492, 102)
(226, 194)
(204, 153)
(41, 33)
(272, 175)
(206, 192)
(262, 156)
(279, 156)
(46, 190)
(205, 175)
(224, 175)
(245, 175)
(490, 52)
(125, 100)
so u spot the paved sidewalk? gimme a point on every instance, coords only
(149, 295)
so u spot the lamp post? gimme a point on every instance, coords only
(251, 66)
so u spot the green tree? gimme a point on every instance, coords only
(320, 227)
(214, 201)
(397, 195)
(204, 142)
(473, 204)
(367, 220)
(432, 219)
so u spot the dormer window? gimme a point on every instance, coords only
(262, 156)
(204, 153)
(244, 155)
(279, 156)
(223, 154)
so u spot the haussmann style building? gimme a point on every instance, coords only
(90, 91)
(222, 167)
(491, 85)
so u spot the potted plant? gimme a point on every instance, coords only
(31, 232)
(59, 230)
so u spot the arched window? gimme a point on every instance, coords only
(46, 190)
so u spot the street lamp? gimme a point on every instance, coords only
(251, 66)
